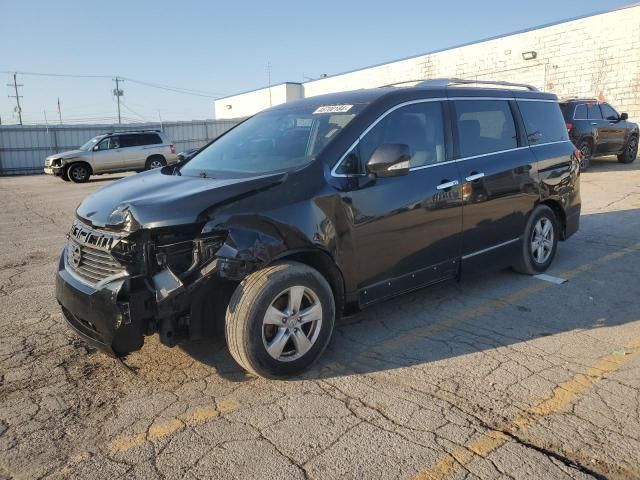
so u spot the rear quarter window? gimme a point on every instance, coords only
(149, 139)
(543, 122)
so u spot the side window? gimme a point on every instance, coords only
(593, 111)
(581, 112)
(109, 143)
(148, 139)
(128, 141)
(608, 112)
(543, 122)
(420, 126)
(484, 126)
(104, 144)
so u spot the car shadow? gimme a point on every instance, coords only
(104, 179)
(611, 164)
(480, 313)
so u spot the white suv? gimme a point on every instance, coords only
(113, 152)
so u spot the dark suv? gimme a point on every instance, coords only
(597, 130)
(313, 209)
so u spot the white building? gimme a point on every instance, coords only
(592, 56)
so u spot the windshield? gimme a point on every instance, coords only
(272, 141)
(89, 145)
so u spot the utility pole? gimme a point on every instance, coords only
(118, 93)
(16, 96)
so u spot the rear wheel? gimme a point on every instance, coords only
(79, 172)
(155, 162)
(630, 152)
(280, 319)
(540, 242)
(587, 150)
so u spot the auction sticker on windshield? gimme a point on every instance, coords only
(333, 109)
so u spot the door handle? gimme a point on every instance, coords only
(475, 176)
(594, 123)
(446, 184)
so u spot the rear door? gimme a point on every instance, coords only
(497, 170)
(614, 130)
(130, 152)
(598, 126)
(407, 228)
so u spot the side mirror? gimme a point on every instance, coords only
(624, 116)
(390, 160)
(95, 148)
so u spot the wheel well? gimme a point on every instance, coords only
(587, 138)
(78, 163)
(156, 155)
(559, 213)
(323, 263)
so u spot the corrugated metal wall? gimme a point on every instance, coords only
(24, 148)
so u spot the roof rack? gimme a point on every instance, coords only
(447, 82)
(132, 131)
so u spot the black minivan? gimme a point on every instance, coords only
(316, 208)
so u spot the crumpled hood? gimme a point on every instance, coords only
(69, 154)
(155, 199)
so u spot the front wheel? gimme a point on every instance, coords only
(630, 152)
(280, 319)
(79, 173)
(540, 242)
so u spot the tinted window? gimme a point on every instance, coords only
(484, 126)
(608, 112)
(581, 112)
(420, 126)
(128, 140)
(148, 139)
(593, 111)
(543, 122)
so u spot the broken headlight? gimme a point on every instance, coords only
(184, 255)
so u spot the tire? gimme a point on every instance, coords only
(534, 261)
(155, 161)
(65, 175)
(587, 150)
(630, 151)
(254, 343)
(79, 172)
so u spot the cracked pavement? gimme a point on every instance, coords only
(500, 376)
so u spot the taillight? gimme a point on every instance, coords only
(173, 149)
(569, 127)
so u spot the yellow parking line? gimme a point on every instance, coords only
(164, 427)
(561, 397)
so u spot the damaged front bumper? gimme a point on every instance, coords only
(110, 318)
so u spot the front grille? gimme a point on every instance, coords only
(89, 254)
(47, 162)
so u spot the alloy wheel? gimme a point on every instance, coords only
(542, 240)
(292, 323)
(155, 164)
(79, 173)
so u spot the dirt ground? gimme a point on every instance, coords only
(500, 376)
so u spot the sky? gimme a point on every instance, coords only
(214, 48)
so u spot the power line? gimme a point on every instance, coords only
(185, 91)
